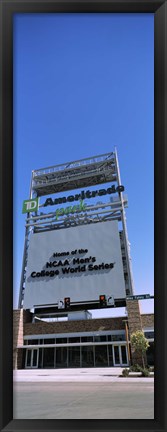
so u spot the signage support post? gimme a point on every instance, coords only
(25, 253)
(126, 242)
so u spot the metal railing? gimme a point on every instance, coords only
(72, 165)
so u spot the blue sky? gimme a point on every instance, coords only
(83, 84)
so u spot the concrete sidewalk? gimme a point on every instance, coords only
(76, 375)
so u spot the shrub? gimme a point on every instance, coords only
(145, 372)
(125, 372)
(135, 368)
(139, 344)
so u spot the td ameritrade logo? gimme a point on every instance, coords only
(83, 195)
(33, 204)
(30, 205)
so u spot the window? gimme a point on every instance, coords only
(116, 355)
(61, 340)
(40, 361)
(123, 353)
(74, 356)
(100, 338)
(87, 356)
(87, 339)
(49, 341)
(101, 355)
(149, 334)
(150, 354)
(48, 359)
(115, 338)
(61, 357)
(32, 342)
(35, 358)
(74, 340)
(110, 354)
(28, 362)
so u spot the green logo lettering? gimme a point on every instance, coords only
(30, 206)
(72, 209)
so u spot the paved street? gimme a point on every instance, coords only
(81, 394)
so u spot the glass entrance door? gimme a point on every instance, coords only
(34, 355)
(120, 355)
(32, 358)
(124, 357)
(116, 355)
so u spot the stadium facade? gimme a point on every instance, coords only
(76, 259)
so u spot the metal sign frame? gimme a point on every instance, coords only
(74, 175)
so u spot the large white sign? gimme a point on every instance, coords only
(81, 263)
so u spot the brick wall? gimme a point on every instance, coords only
(134, 316)
(20, 318)
(134, 324)
(147, 320)
(17, 334)
(74, 326)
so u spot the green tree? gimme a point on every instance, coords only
(139, 343)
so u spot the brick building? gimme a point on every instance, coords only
(79, 342)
